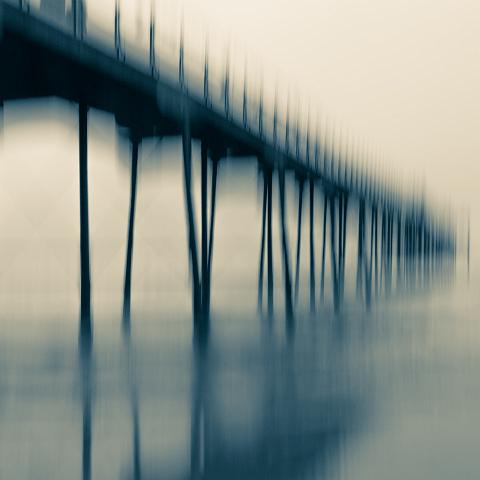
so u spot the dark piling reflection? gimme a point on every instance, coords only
(85, 350)
(131, 381)
(199, 412)
(294, 432)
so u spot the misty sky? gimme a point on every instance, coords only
(403, 76)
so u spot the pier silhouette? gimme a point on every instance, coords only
(400, 242)
(43, 58)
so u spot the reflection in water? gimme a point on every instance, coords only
(246, 400)
(293, 427)
(200, 403)
(283, 408)
(133, 396)
(85, 348)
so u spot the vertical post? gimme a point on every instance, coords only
(117, 38)
(344, 244)
(78, 17)
(299, 235)
(269, 175)
(287, 127)
(74, 15)
(81, 19)
(152, 39)
(181, 59)
(324, 243)
(405, 248)
(340, 234)
(406, 257)
(260, 114)
(85, 338)
(286, 262)
(336, 298)
(131, 222)
(425, 251)
(205, 77)
(226, 87)
(382, 249)
(368, 272)
(208, 282)
(375, 213)
(262, 242)
(204, 193)
(192, 241)
(312, 247)
(468, 250)
(360, 248)
(85, 311)
(391, 252)
(399, 247)
(412, 248)
(388, 250)
(245, 111)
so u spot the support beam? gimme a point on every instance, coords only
(468, 249)
(204, 214)
(344, 245)
(117, 31)
(153, 63)
(399, 248)
(74, 15)
(389, 251)
(269, 175)
(324, 244)
(262, 242)
(312, 246)
(286, 261)
(382, 249)
(340, 237)
(213, 198)
(375, 210)
(369, 269)
(131, 223)
(301, 184)
(85, 300)
(80, 19)
(360, 247)
(192, 241)
(336, 296)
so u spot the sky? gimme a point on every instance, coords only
(400, 76)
